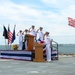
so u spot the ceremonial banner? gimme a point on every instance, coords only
(17, 55)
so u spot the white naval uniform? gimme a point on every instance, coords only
(48, 48)
(33, 32)
(20, 41)
(40, 35)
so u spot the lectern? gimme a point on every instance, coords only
(30, 42)
(38, 53)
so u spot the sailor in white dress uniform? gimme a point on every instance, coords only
(40, 34)
(20, 39)
(33, 32)
(48, 42)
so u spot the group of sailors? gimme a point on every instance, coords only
(42, 37)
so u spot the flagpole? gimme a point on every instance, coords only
(10, 46)
(5, 44)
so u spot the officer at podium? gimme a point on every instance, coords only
(33, 32)
(40, 34)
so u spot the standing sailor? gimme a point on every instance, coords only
(20, 34)
(33, 32)
(40, 34)
(25, 32)
(48, 44)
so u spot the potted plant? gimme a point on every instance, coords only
(15, 46)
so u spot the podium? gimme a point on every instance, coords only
(38, 53)
(30, 42)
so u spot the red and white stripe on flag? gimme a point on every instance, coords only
(10, 34)
(71, 22)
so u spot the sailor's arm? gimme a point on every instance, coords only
(29, 29)
(17, 33)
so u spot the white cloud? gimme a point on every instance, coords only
(17, 12)
(26, 15)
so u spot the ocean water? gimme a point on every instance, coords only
(62, 48)
(5, 47)
(66, 48)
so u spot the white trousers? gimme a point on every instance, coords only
(20, 45)
(48, 52)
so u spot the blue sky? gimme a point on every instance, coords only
(52, 15)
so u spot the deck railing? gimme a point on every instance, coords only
(55, 48)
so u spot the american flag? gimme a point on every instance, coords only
(13, 35)
(9, 36)
(71, 22)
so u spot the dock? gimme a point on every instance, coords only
(64, 66)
